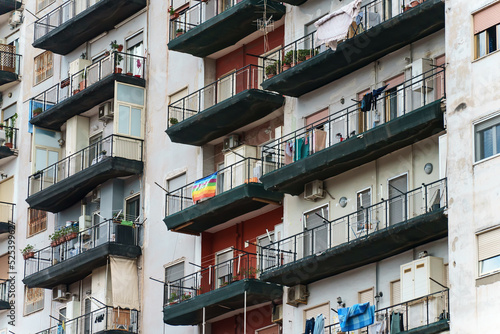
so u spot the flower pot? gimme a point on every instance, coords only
(9, 145)
(76, 91)
(174, 16)
(120, 48)
(269, 76)
(118, 70)
(137, 76)
(53, 243)
(29, 255)
(286, 67)
(36, 114)
(83, 85)
(129, 73)
(62, 239)
(178, 34)
(308, 57)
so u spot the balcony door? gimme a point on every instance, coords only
(316, 231)
(224, 267)
(267, 258)
(47, 153)
(226, 86)
(397, 189)
(363, 203)
(394, 98)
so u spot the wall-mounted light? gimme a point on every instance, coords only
(379, 295)
(342, 100)
(340, 302)
(428, 168)
(61, 142)
(343, 201)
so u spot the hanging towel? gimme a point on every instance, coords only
(366, 102)
(397, 325)
(319, 324)
(301, 149)
(377, 328)
(319, 140)
(334, 27)
(356, 316)
(376, 93)
(310, 326)
(289, 151)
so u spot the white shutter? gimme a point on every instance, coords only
(366, 296)
(317, 310)
(488, 244)
(396, 292)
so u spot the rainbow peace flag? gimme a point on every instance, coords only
(205, 188)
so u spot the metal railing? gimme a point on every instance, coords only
(4, 290)
(351, 122)
(104, 319)
(306, 47)
(8, 136)
(357, 225)
(109, 147)
(134, 65)
(195, 15)
(248, 77)
(411, 314)
(7, 212)
(77, 243)
(60, 15)
(212, 278)
(247, 170)
(10, 61)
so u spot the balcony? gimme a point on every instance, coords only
(221, 107)
(238, 192)
(208, 27)
(101, 321)
(7, 6)
(4, 294)
(8, 142)
(215, 290)
(72, 260)
(425, 315)
(349, 138)
(376, 36)
(9, 64)
(362, 237)
(86, 89)
(6, 217)
(76, 22)
(60, 185)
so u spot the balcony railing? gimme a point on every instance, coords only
(370, 15)
(116, 62)
(7, 212)
(415, 313)
(8, 137)
(110, 147)
(248, 77)
(351, 122)
(357, 225)
(247, 170)
(79, 243)
(197, 14)
(10, 61)
(4, 290)
(104, 319)
(212, 278)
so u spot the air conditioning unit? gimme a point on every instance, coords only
(16, 18)
(105, 111)
(231, 142)
(60, 293)
(277, 315)
(297, 295)
(84, 222)
(314, 190)
(96, 196)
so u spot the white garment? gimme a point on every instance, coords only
(334, 27)
(377, 328)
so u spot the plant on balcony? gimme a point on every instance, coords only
(173, 298)
(37, 111)
(271, 70)
(9, 131)
(289, 60)
(28, 252)
(62, 235)
(305, 54)
(186, 296)
(173, 121)
(54, 239)
(199, 291)
(223, 284)
(71, 232)
(115, 46)
(103, 152)
(116, 49)
(252, 272)
(173, 14)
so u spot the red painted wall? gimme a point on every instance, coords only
(257, 318)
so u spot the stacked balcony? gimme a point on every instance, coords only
(211, 292)
(351, 137)
(376, 35)
(238, 192)
(221, 107)
(7, 6)
(8, 141)
(72, 257)
(6, 217)
(76, 22)
(210, 26)
(371, 234)
(86, 89)
(10, 63)
(4, 294)
(62, 184)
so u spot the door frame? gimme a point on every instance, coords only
(388, 197)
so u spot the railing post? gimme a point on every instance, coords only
(426, 206)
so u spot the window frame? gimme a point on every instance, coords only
(41, 56)
(130, 105)
(479, 262)
(477, 124)
(26, 289)
(358, 193)
(29, 228)
(48, 3)
(132, 198)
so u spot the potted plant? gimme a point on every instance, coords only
(115, 46)
(28, 252)
(271, 70)
(252, 272)
(139, 65)
(37, 111)
(76, 91)
(223, 284)
(173, 298)
(173, 121)
(186, 296)
(173, 14)
(1, 126)
(289, 60)
(62, 235)
(71, 232)
(53, 239)
(179, 32)
(199, 291)
(9, 131)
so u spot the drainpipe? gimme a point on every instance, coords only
(204, 323)
(245, 314)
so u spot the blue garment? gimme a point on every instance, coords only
(356, 317)
(378, 91)
(310, 326)
(301, 149)
(319, 325)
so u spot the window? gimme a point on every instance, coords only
(37, 221)
(41, 4)
(175, 199)
(488, 244)
(173, 274)
(267, 258)
(224, 271)
(364, 201)
(487, 30)
(43, 67)
(313, 312)
(394, 98)
(316, 231)
(33, 300)
(130, 106)
(397, 188)
(366, 296)
(135, 47)
(395, 292)
(487, 138)
(132, 207)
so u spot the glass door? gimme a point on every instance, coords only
(316, 231)
(398, 187)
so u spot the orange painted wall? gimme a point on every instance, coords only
(257, 318)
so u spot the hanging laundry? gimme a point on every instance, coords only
(301, 149)
(289, 148)
(376, 93)
(319, 140)
(377, 328)
(204, 188)
(366, 102)
(319, 324)
(309, 326)
(397, 325)
(334, 27)
(356, 316)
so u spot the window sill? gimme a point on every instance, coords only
(485, 159)
(488, 279)
(487, 55)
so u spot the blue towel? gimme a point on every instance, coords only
(356, 317)
(319, 325)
